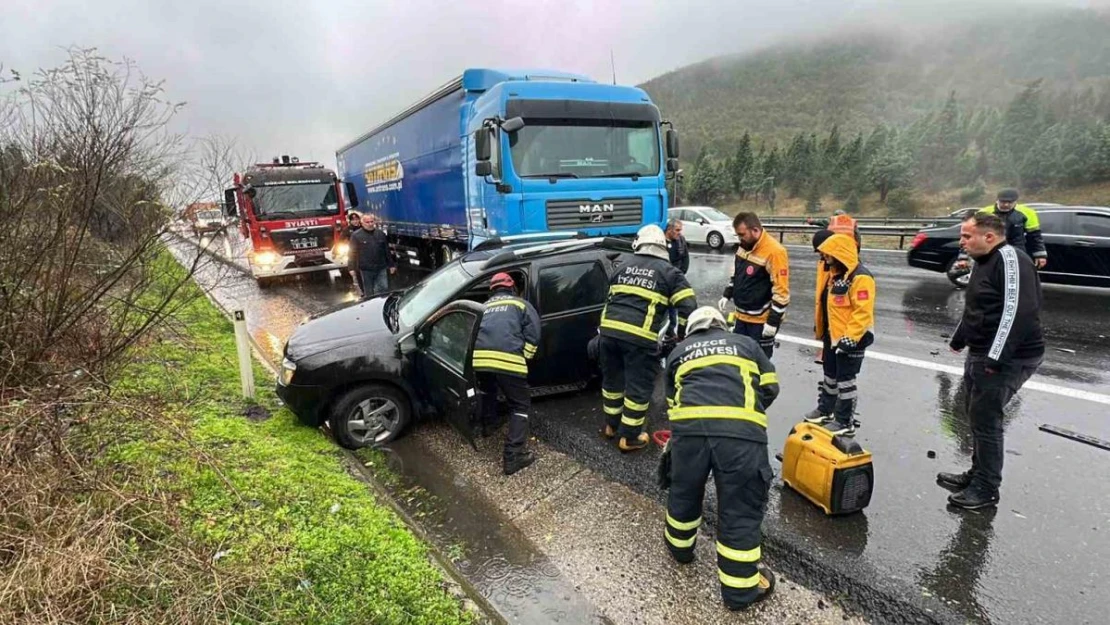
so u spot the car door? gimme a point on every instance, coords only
(1092, 247)
(443, 364)
(1057, 230)
(695, 226)
(569, 298)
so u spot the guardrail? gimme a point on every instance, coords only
(867, 227)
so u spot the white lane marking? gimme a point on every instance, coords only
(806, 248)
(1034, 384)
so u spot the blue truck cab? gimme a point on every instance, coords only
(510, 154)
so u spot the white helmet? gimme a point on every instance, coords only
(652, 238)
(705, 318)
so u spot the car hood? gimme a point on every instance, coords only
(354, 323)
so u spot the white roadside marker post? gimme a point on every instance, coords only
(243, 347)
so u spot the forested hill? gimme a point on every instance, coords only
(858, 79)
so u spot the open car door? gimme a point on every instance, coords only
(445, 343)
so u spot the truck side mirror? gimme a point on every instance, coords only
(483, 169)
(352, 197)
(512, 125)
(229, 203)
(481, 145)
(672, 165)
(672, 143)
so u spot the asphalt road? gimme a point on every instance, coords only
(1042, 556)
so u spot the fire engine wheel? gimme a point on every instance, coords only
(715, 240)
(264, 283)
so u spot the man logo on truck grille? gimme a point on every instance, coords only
(595, 208)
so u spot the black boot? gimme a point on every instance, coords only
(766, 587)
(973, 498)
(956, 481)
(518, 460)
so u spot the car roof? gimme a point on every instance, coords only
(678, 208)
(484, 260)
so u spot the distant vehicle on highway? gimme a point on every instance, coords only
(502, 153)
(1077, 239)
(207, 222)
(294, 216)
(964, 212)
(705, 224)
(370, 368)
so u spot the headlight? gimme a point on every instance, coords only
(342, 249)
(266, 258)
(288, 368)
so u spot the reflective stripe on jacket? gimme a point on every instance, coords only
(760, 284)
(640, 293)
(1023, 229)
(720, 384)
(508, 335)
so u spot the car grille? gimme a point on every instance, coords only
(303, 240)
(579, 214)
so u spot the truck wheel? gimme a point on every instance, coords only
(715, 240)
(958, 277)
(374, 414)
(264, 283)
(446, 254)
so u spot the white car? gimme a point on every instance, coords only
(704, 224)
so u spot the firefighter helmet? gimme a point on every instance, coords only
(649, 236)
(705, 318)
(501, 281)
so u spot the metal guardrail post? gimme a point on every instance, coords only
(243, 347)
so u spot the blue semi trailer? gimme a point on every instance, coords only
(507, 153)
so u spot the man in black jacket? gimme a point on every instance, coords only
(1001, 329)
(370, 255)
(508, 337)
(679, 251)
(640, 293)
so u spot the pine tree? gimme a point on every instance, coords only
(891, 168)
(741, 163)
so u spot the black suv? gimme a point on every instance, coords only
(368, 368)
(1077, 239)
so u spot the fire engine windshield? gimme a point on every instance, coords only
(295, 200)
(588, 148)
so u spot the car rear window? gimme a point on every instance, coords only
(571, 287)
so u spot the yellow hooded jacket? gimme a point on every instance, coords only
(849, 298)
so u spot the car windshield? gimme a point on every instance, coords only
(713, 214)
(315, 199)
(571, 148)
(429, 295)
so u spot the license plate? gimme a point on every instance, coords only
(306, 243)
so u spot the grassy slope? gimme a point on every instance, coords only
(272, 499)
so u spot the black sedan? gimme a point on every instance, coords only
(1077, 239)
(370, 368)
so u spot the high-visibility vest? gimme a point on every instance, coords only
(843, 224)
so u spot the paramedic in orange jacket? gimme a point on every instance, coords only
(844, 322)
(759, 289)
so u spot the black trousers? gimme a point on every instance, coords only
(742, 474)
(628, 373)
(516, 392)
(837, 393)
(755, 332)
(987, 395)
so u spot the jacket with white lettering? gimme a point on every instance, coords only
(720, 384)
(1002, 310)
(760, 284)
(640, 292)
(508, 335)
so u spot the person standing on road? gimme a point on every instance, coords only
(679, 251)
(639, 293)
(840, 223)
(371, 256)
(759, 288)
(508, 337)
(1022, 228)
(844, 322)
(354, 224)
(719, 425)
(1001, 329)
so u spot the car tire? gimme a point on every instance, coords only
(349, 414)
(957, 277)
(715, 240)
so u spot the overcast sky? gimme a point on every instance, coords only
(305, 77)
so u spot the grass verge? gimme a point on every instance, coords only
(157, 501)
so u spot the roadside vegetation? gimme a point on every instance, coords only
(136, 486)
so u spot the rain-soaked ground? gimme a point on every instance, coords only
(1042, 556)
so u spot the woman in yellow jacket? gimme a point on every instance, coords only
(844, 321)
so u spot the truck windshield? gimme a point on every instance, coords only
(295, 200)
(428, 296)
(588, 148)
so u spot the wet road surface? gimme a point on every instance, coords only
(1042, 556)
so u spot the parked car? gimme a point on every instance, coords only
(1077, 239)
(207, 221)
(372, 367)
(705, 224)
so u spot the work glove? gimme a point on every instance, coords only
(722, 304)
(769, 331)
(663, 471)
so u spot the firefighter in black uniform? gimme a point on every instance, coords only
(507, 339)
(719, 386)
(639, 295)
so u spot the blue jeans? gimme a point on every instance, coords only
(374, 281)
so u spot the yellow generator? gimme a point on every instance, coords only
(833, 472)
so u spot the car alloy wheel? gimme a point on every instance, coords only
(715, 240)
(373, 420)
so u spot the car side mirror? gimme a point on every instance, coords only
(702, 222)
